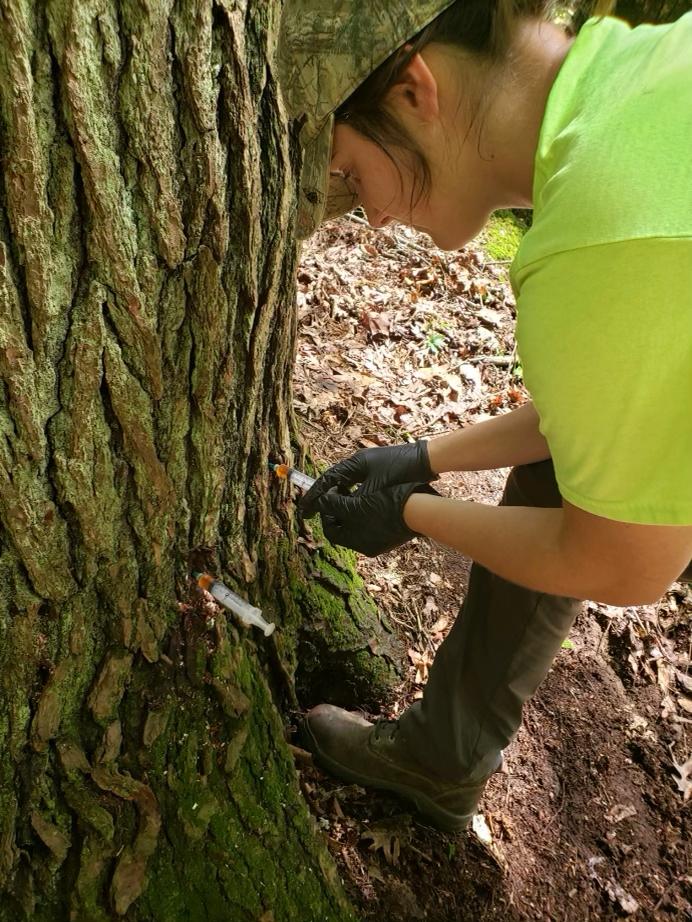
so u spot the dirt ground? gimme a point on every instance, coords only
(590, 818)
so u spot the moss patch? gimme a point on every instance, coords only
(346, 655)
(503, 234)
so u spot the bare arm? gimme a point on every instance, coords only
(560, 551)
(503, 441)
(564, 551)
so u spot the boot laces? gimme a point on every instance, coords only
(385, 729)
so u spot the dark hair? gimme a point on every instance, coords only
(482, 27)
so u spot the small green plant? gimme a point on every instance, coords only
(435, 341)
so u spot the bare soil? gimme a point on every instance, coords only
(590, 818)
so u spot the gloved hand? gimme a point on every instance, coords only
(369, 522)
(374, 468)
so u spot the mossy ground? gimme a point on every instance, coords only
(504, 233)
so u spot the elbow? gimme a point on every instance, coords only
(620, 564)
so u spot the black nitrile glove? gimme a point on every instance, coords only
(369, 522)
(373, 468)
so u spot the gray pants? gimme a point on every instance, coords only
(500, 648)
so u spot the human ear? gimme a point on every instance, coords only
(415, 92)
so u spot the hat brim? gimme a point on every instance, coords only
(323, 195)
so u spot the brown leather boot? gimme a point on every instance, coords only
(375, 756)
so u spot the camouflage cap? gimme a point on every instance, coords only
(327, 48)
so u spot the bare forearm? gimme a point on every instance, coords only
(525, 545)
(518, 543)
(504, 441)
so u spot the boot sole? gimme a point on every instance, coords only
(442, 819)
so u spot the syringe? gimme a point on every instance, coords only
(296, 477)
(247, 613)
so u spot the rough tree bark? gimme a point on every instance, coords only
(146, 344)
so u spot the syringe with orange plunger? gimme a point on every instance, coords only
(294, 476)
(247, 613)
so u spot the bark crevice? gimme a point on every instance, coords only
(147, 334)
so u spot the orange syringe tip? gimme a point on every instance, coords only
(281, 470)
(204, 580)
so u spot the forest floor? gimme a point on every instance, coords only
(590, 818)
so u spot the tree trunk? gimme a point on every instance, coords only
(147, 334)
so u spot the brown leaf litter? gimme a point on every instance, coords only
(590, 818)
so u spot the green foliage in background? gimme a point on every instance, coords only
(503, 234)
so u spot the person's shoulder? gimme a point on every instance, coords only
(613, 156)
(615, 276)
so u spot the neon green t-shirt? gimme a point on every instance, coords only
(603, 279)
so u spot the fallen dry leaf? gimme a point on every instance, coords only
(684, 782)
(335, 808)
(472, 374)
(616, 892)
(430, 605)
(664, 675)
(620, 812)
(440, 625)
(387, 842)
(684, 680)
(491, 317)
(619, 895)
(387, 837)
(432, 371)
(685, 704)
(481, 829)
(375, 874)
(422, 662)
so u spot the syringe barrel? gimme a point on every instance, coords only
(231, 600)
(246, 612)
(301, 480)
(266, 627)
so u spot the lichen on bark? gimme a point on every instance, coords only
(147, 335)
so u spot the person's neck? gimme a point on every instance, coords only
(512, 126)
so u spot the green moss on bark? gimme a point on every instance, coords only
(347, 654)
(146, 345)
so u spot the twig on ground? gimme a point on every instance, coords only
(559, 809)
(604, 637)
(504, 361)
